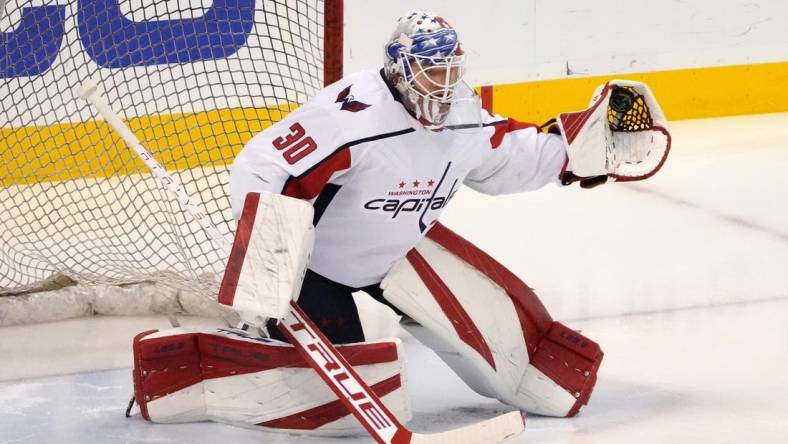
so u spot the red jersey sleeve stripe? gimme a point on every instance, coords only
(505, 127)
(310, 184)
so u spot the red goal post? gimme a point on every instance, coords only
(83, 227)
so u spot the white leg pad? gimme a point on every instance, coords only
(227, 376)
(490, 328)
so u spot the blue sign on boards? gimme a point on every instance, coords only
(33, 46)
(113, 41)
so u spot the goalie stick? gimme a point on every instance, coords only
(313, 346)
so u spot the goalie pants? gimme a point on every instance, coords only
(331, 306)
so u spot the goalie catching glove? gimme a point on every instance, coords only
(622, 136)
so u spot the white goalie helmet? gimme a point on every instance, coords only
(425, 62)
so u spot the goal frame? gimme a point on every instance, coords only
(333, 41)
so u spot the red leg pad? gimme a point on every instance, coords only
(164, 365)
(571, 360)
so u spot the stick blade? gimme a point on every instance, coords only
(493, 430)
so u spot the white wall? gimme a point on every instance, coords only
(520, 40)
(507, 41)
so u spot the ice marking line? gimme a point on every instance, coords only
(731, 219)
(764, 300)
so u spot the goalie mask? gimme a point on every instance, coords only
(425, 62)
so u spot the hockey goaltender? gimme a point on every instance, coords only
(352, 184)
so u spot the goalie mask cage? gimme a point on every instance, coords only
(84, 227)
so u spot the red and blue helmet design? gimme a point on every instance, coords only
(424, 61)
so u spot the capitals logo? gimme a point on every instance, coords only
(349, 103)
(425, 196)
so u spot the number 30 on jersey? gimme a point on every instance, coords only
(295, 146)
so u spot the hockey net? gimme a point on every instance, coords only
(84, 228)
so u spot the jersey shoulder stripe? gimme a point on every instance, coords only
(507, 126)
(310, 183)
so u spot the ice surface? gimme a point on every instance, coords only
(707, 375)
(710, 232)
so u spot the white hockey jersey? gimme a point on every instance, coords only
(377, 179)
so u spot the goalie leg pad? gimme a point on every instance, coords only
(228, 376)
(490, 328)
(570, 360)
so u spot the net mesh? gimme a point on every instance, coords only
(193, 79)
